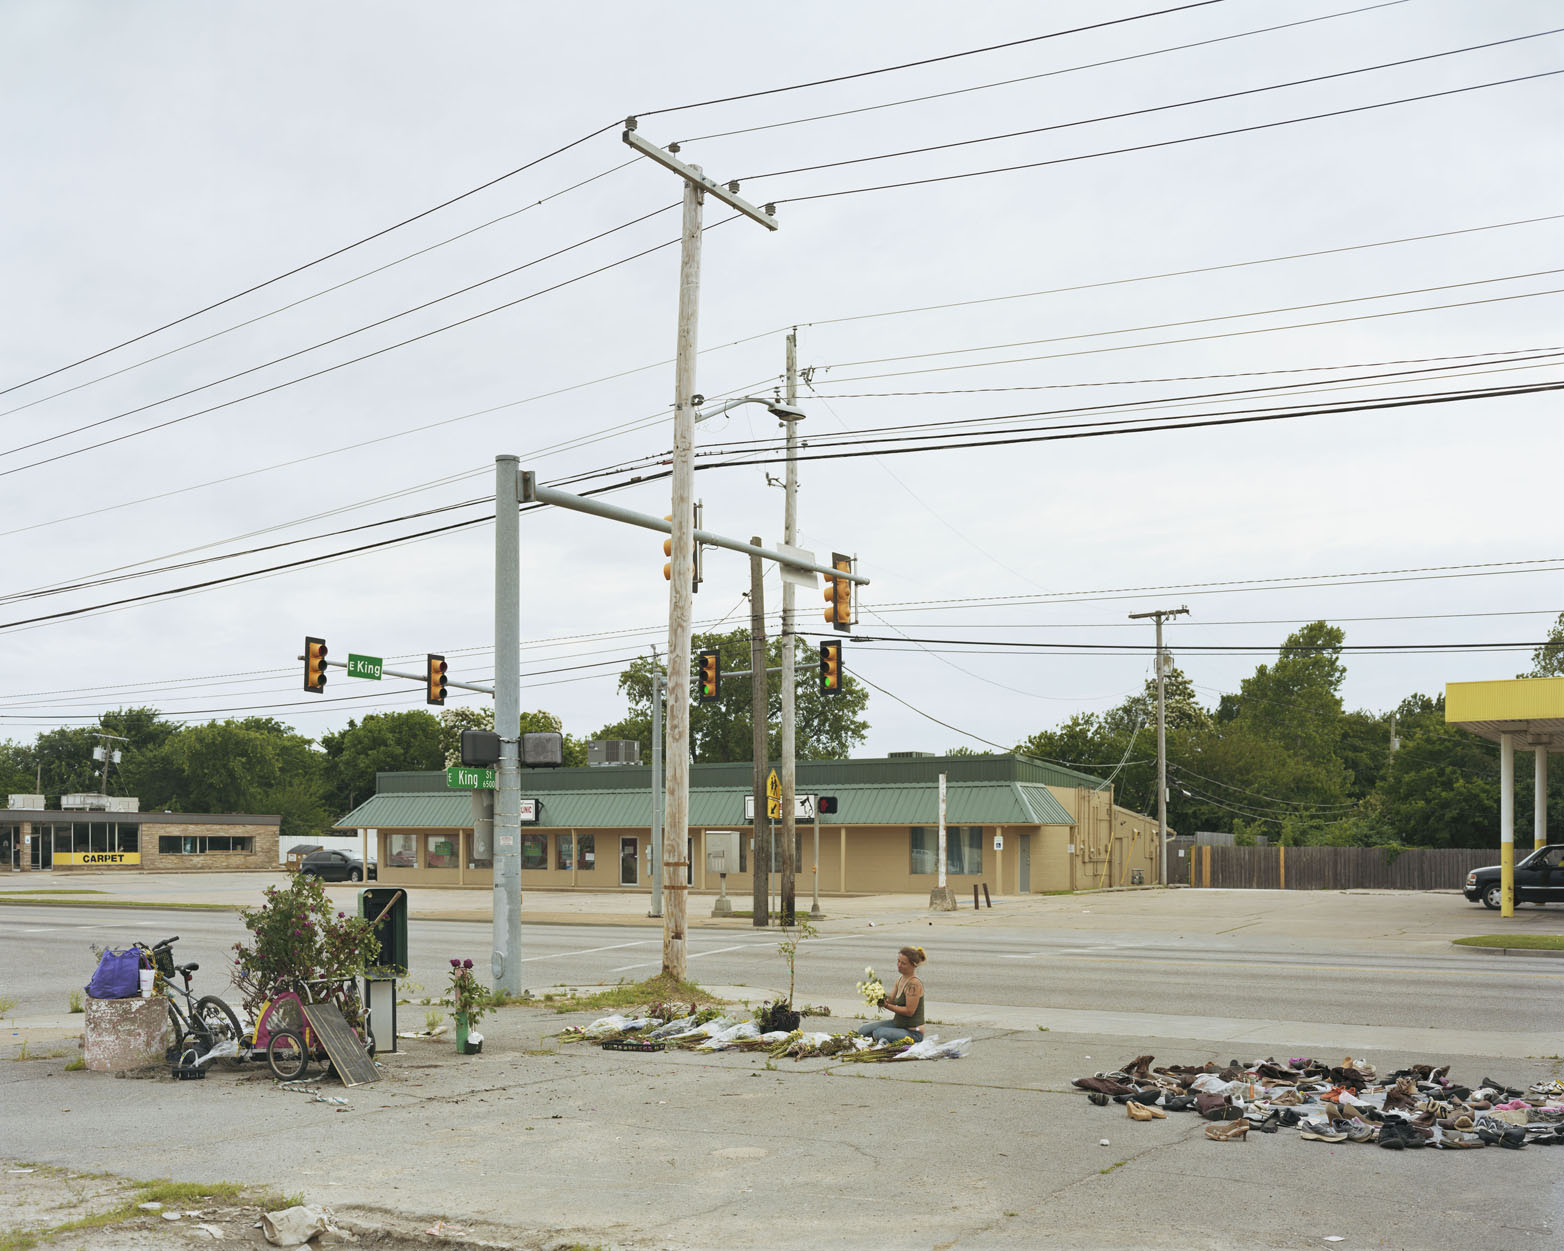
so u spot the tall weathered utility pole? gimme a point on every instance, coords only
(789, 720)
(1159, 616)
(759, 703)
(682, 558)
(658, 685)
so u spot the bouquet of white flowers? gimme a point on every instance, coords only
(871, 988)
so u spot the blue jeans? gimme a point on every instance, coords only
(886, 1032)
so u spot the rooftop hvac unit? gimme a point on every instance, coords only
(614, 751)
(89, 801)
(121, 803)
(34, 802)
(909, 755)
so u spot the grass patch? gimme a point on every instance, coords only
(162, 905)
(74, 1003)
(1111, 1167)
(6, 1004)
(1530, 942)
(659, 989)
(170, 1194)
(76, 1065)
(52, 890)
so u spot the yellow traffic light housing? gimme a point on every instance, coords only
(830, 666)
(315, 665)
(434, 679)
(695, 577)
(839, 594)
(709, 667)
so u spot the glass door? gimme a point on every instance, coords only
(629, 862)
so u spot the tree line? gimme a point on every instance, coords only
(1280, 757)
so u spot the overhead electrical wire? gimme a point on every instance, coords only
(1158, 108)
(297, 269)
(1163, 143)
(417, 308)
(1026, 78)
(293, 304)
(932, 60)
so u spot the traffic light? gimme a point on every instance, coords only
(709, 663)
(830, 666)
(839, 594)
(695, 577)
(434, 679)
(315, 665)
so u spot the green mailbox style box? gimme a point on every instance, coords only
(386, 906)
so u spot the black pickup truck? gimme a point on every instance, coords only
(1539, 878)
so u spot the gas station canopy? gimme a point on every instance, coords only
(1532, 709)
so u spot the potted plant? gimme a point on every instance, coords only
(469, 1000)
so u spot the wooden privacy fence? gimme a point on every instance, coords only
(1333, 868)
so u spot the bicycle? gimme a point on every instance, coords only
(199, 1024)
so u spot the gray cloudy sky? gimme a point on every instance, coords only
(161, 157)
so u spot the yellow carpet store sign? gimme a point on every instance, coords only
(99, 858)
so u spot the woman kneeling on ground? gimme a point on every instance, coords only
(905, 1003)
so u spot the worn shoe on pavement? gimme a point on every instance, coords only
(1228, 1133)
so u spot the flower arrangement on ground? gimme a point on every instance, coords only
(872, 989)
(467, 994)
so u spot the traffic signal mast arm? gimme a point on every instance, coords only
(420, 678)
(531, 492)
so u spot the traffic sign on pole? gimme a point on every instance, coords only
(364, 666)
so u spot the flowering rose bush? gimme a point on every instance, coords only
(872, 989)
(295, 936)
(467, 994)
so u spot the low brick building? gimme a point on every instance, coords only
(41, 840)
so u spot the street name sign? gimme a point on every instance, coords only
(465, 777)
(365, 667)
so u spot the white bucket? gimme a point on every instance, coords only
(147, 976)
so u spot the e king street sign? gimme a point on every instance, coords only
(365, 666)
(466, 778)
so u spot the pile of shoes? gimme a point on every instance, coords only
(1418, 1106)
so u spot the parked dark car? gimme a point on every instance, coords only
(335, 866)
(1539, 878)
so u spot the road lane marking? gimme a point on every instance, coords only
(694, 955)
(640, 942)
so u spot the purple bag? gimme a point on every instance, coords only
(118, 975)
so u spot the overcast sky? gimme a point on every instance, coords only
(162, 157)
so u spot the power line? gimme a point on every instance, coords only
(1158, 108)
(1163, 143)
(932, 60)
(317, 261)
(207, 386)
(1026, 78)
(348, 282)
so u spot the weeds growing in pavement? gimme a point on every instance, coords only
(659, 989)
(74, 1003)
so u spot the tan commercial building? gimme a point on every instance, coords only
(41, 840)
(1013, 824)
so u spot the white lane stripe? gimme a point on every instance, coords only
(640, 942)
(694, 955)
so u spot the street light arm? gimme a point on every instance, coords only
(783, 412)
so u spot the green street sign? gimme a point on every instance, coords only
(364, 666)
(470, 779)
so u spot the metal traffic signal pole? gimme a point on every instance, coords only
(682, 558)
(507, 724)
(759, 706)
(1161, 615)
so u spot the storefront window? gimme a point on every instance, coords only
(402, 851)
(129, 838)
(440, 851)
(963, 849)
(586, 846)
(534, 851)
(564, 857)
(100, 836)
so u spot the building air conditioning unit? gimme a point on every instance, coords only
(87, 801)
(35, 802)
(121, 803)
(614, 751)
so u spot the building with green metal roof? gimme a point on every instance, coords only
(1013, 824)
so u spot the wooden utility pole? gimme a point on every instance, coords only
(676, 826)
(759, 702)
(1161, 615)
(789, 691)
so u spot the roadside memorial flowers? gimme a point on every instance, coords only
(872, 989)
(467, 994)
(707, 1031)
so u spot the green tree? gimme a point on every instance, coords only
(828, 727)
(1548, 660)
(382, 742)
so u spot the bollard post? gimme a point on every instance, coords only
(974, 897)
(986, 899)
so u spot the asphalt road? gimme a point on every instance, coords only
(49, 952)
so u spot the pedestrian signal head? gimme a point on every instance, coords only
(434, 679)
(315, 665)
